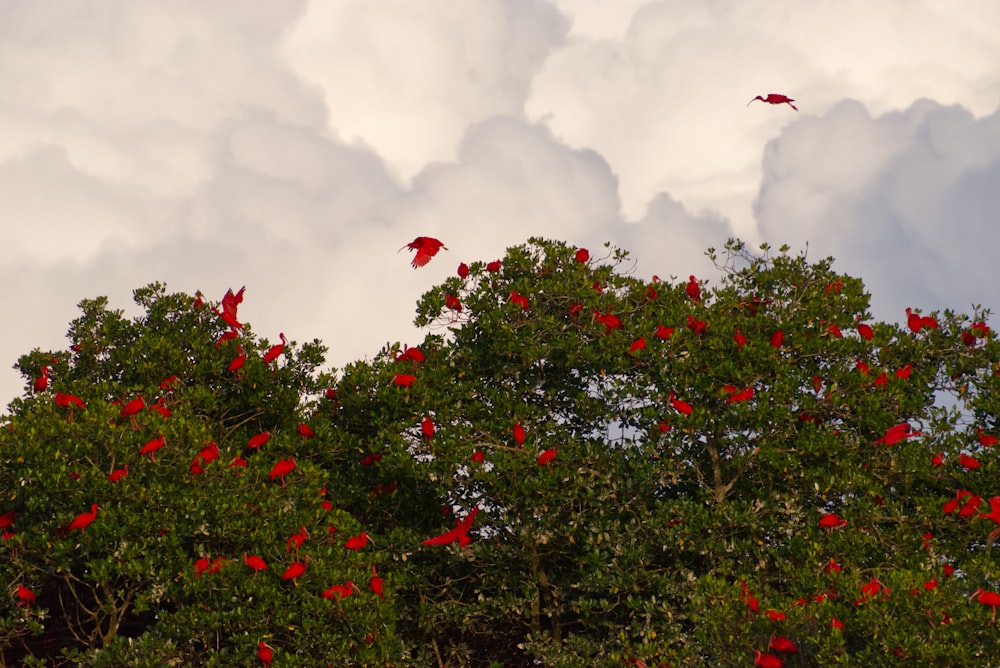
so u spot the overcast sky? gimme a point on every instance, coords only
(293, 147)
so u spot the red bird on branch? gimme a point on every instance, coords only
(426, 247)
(376, 584)
(42, 382)
(546, 457)
(682, 407)
(255, 563)
(989, 598)
(357, 542)
(265, 653)
(897, 433)
(459, 534)
(83, 520)
(259, 440)
(275, 351)
(775, 98)
(693, 289)
(237, 362)
(152, 446)
(282, 468)
(295, 541)
(26, 595)
(294, 571)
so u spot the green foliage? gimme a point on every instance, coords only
(595, 520)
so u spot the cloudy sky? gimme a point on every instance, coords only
(294, 146)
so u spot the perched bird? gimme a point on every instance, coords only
(264, 653)
(255, 563)
(275, 351)
(282, 468)
(83, 520)
(426, 247)
(776, 98)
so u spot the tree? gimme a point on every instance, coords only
(576, 467)
(698, 446)
(157, 578)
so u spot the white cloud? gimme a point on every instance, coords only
(295, 146)
(906, 200)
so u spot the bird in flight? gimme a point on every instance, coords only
(775, 98)
(426, 247)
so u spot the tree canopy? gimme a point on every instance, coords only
(576, 467)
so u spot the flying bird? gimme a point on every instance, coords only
(426, 247)
(776, 98)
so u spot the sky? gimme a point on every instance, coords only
(293, 146)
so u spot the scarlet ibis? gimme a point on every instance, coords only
(414, 355)
(294, 571)
(83, 520)
(70, 401)
(546, 457)
(897, 433)
(967, 462)
(693, 289)
(663, 332)
(230, 304)
(228, 335)
(375, 583)
(994, 513)
(152, 446)
(463, 270)
(427, 427)
(25, 594)
(255, 563)
(133, 407)
(460, 532)
(404, 379)
(42, 382)
(493, 267)
(989, 598)
(259, 440)
(783, 644)
(739, 339)
(295, 541)
(608, 320)
(775, 98)
(237, 362)
(582, 255)
(305, 431)
(453, 303)
(637, 345)
(275, 351)
(7, 519)
(697, 326)
(282, 468)
(777, 339)
(986, 440)
(518, 434)
(478, 457)
(264, 653)
(916, 322)
(338, 591)
(118, 474)
(682, 407)
(519, 299)
(426, 247)
(866, 332)
(767, 660)
(170, 383)
(357, 542)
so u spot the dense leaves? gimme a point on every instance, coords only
(576, 467)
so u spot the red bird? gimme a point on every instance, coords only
(767, 660)
(775, 98)
(897, 433)
(281, 469)
(295, 570)
(426, 247)
(989, 598)
(26, 595)
(152, 446)
(42, 382)
(237, 362)
(427, 427)
(118, 474)
(295, 541)
(305, 431)
(693, 289)
(459, 533)
(357, 542)
(518, 434)
(255, 563)
(680, 406)
(133, 407)
(83, 520)
(376, 584)
(831, 521)
(275, 351)
(259, 440)
(546, 457)
(337, 591)
(7, 519)
(783, 644)
(264, 653)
